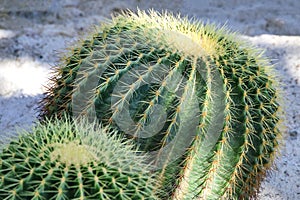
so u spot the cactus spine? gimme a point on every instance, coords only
(66, 160)
(214, 94)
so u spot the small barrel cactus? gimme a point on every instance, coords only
(202, 103)
(67, 160)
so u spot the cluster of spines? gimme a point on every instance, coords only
(250, 99)
(248, 140)
(98, 165)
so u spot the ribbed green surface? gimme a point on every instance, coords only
(217, 102)
(63, 160)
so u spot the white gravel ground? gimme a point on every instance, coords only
(32, 35)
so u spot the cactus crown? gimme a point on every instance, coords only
(71, 153)
(202, 103)
(68, 160)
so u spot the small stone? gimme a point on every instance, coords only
(293, 135)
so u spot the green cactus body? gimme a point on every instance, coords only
(64, 160)
(202, 103)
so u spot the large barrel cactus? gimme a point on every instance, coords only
(202, 103)
(66, 160)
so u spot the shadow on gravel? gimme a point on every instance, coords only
(17, 112)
